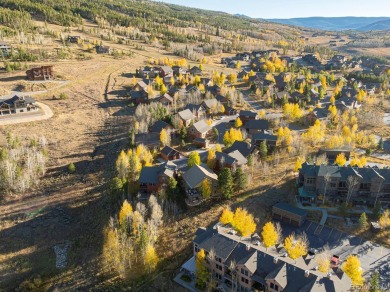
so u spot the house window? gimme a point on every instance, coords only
(218, 276)
(332, 185)
(244, 272)
(244, 280)
(272, 286)
(310, 180)
(342, 184)
(196, 248)
(219, 267)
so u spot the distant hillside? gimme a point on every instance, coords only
(339, 23)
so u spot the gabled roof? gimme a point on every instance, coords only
(196, 174)
(257, 125)
(168, 151)
(243, 147)
(147, 138)
(222, 245)
(225, 157)
(167, 97)
(247, 114)
(186, 114)
(210, 103)
(287, 207)
(263, 136)
(279, 275)
(202, 127)
(166, 69)
(241, 160)
(150, 174)
(11, 101)
(158, 126)
(194, 107)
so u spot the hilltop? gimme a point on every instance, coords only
(339, 23)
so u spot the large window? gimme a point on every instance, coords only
(310, 180)
(244, 272)
(244, 280)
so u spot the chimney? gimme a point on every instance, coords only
(276, 260)
(307, 273)
(247, 247)
(329, 275)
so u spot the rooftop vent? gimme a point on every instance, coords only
(276, 260)
(307, 273)
(329, 274)
(285, 255)
(247, 247)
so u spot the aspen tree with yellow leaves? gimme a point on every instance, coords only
(296, 246)
(269, 234)
(353, 270)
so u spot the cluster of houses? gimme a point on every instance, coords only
(174, 164)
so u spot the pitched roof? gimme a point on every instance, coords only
(210, 103)
(225, 157)
(196, 174)
(222, 245)
(158, 126)
(243, 147)
(194, 107)
(150, 174)
(263, 136)
(202, 126)
(241, 160)
(186, 114)
(291, 209)
(168, 151)
(11, 101)
(247, 114)
(257, 125)
(279, 275)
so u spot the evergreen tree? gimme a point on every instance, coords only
(380, 144)
(374, 282)
(363, 223)
(263, 151)
(377, 210)
(240, 180)
(225, 180)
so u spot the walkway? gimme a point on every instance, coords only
(323, 211)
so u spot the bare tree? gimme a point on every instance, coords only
(326, 181)
(352, 182)
(279, 231)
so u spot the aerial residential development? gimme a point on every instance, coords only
(149, 146)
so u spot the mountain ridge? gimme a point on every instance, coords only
(338, 23)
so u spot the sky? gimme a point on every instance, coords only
(293, 8)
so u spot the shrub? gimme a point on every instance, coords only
(71, 168)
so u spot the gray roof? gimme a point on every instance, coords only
(210, 103)
(225, 157)
(202, 126)
(279, 275)
(196, 174)
(263, 136)
(241, 160)
(11, 101)
(257, 125)
(247, 114)
(261, 263)
(243, 147)
(150, 174)
(222, 245)
(291, 209)
(158, 126)
(194, 107)
(147, 139)
(186, 114)
(169, 151)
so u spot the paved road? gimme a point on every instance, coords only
(44, 114)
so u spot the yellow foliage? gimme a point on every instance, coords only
(226, 217)
(151, 258)
(340, 159)
(384, 220)
(125, 212)
(359, 162)
(238, 123)
(353, 270)
(269, 234)
(295, 246)
(298, 163)
(315, 133)
(206, 189)
(164, 137)
(232, 135)
(262, 114)
(243, 222)
(292, 111)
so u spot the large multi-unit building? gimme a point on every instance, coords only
(360, 184)
(245, 266)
